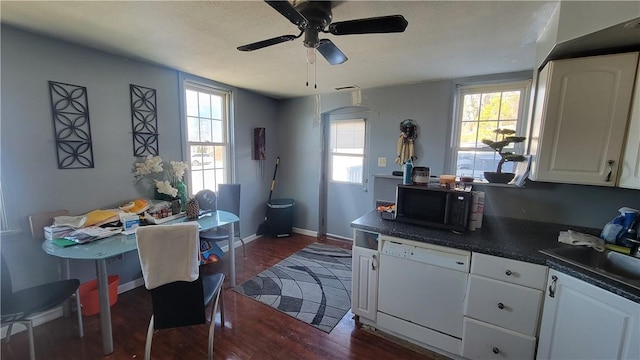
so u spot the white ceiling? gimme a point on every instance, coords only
(444, 39)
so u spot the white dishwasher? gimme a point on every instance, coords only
(421, 292)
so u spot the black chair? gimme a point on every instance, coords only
(179, 303)
(228, 199)
(17, 307)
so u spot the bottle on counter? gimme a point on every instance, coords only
(407, 172)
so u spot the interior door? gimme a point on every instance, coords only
(345, 172)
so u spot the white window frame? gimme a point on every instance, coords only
(362, 156)
(4, 223)
(522, 122)
(188, 83)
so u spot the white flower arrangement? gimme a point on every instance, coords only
(150, 165)
(164, 187)
(163, 179)
(177, 169)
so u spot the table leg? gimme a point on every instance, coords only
(105, 310)
(66, 306)
(232, 256)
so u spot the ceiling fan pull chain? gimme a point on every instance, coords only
(315, 76)
(307, 74)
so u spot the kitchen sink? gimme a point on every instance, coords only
(619, 267)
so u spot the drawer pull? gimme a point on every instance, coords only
(496, 350)
(508, 272)
(500, 306)
(373, 261)
(552, 287)
(610, 162)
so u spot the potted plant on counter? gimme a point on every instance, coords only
(505, 156)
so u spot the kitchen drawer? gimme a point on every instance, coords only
(512, 271)
(507, 305)
(485, 341)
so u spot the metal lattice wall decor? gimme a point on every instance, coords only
(144, 121)
(70, 111)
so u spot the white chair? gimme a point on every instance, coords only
(179, 292)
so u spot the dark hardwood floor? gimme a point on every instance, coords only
(252, 330)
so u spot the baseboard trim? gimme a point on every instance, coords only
(130, 285)
(338, 237)
(305, 232)
(237, 243)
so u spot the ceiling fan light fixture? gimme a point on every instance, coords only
(311, 55)
(315, 17)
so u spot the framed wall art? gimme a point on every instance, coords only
(144, 120)
(71, 126)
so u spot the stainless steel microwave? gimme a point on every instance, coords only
(433, 206)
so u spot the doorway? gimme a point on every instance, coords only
(344, 195)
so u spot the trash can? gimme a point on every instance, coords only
(280, 217)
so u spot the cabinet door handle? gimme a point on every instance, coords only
(610, 162)
(373, 261)
(552, 287)
(500, 306)
(496, 350)
(508, 273)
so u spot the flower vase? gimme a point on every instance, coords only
(160, 196)
(182, 194)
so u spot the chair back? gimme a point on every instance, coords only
(169, 258)
(206, 199)
(179, 303)
(229, 198)
(168, 253)
(37, 222)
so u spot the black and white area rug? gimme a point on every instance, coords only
(312, 285)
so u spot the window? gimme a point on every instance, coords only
(347, 150)
(207, 124)
(480, 110)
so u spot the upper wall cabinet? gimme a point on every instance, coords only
(580, 119)
(630, 171)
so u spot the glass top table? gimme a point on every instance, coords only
(103, 249)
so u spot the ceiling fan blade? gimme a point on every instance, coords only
(382, 24)
(331, 52)
(287, 10)
(268, 42)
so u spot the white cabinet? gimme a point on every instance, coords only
(580, 118)
(582, 321)
(364, 284)
(502, 309)
(630, 171)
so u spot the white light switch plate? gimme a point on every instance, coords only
(382, 162)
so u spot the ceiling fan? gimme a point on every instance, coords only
(313, 17)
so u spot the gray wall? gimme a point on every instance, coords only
(31, 181)
(430, 105)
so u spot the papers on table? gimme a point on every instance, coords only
(71, 221)
(91, 233)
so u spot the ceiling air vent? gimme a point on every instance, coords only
(349, 87)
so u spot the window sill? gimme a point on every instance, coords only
(10, 233)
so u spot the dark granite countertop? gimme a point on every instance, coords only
(504, 237)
